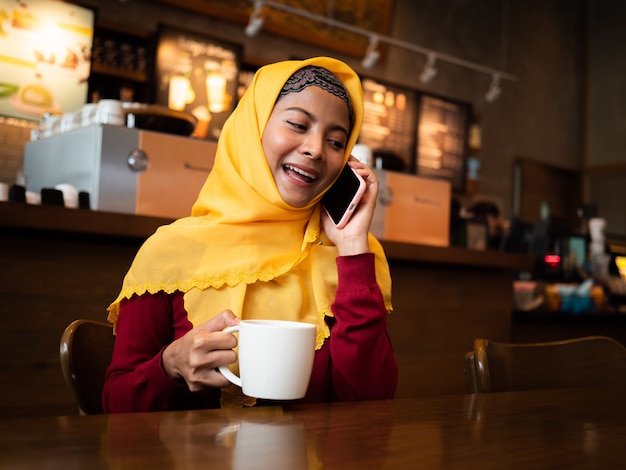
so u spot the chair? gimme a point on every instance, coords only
(85, 351)
(499, 367)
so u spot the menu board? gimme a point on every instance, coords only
(442, 140)
(389, 121)
(198, 75)
(45, 57)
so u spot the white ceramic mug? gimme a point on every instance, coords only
(275, 358)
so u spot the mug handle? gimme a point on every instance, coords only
(226, 372)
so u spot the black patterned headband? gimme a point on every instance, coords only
(321, 77)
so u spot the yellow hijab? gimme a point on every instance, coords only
(243, 248)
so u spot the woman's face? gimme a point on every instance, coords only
(304, 142)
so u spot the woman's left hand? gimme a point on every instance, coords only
(353, 238)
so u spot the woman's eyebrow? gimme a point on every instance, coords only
(335, 127)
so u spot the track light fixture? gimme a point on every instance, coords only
(256, 20)
(494, 89)
(429, 71)
(371, 55)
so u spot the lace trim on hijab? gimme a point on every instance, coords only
(184, 286)
(321, 77)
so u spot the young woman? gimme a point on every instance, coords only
(258, 245)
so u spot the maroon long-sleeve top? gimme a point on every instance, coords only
(355, 363)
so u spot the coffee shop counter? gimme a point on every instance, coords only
(61, 264)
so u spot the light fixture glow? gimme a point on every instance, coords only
(430, 71)
(371, 55)
(494, 89)
(256, 20)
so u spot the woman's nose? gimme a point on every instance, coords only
(313, 146)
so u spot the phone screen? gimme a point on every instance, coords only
(341, 199)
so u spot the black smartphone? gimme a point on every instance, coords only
(344, 195)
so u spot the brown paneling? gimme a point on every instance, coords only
(438, 312)
(540, 183)
(47, 281)
(532, 327)
(62, 264)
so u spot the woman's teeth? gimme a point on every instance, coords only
(309, 176)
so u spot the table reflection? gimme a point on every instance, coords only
(279, 445)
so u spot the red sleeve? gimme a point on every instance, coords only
(135, 380)
(357, 361)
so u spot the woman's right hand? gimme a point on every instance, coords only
(353, 238)
(196, 356)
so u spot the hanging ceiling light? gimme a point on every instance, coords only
(429, 71)
(256, 20)
(371, 55)
(494, 89)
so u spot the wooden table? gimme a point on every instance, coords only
(569, 428)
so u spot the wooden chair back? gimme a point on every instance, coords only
(587, 361)
(85, 351)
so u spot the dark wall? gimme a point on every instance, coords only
(605, 158)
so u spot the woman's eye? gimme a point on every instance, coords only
(296, 125)
(338, 144)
